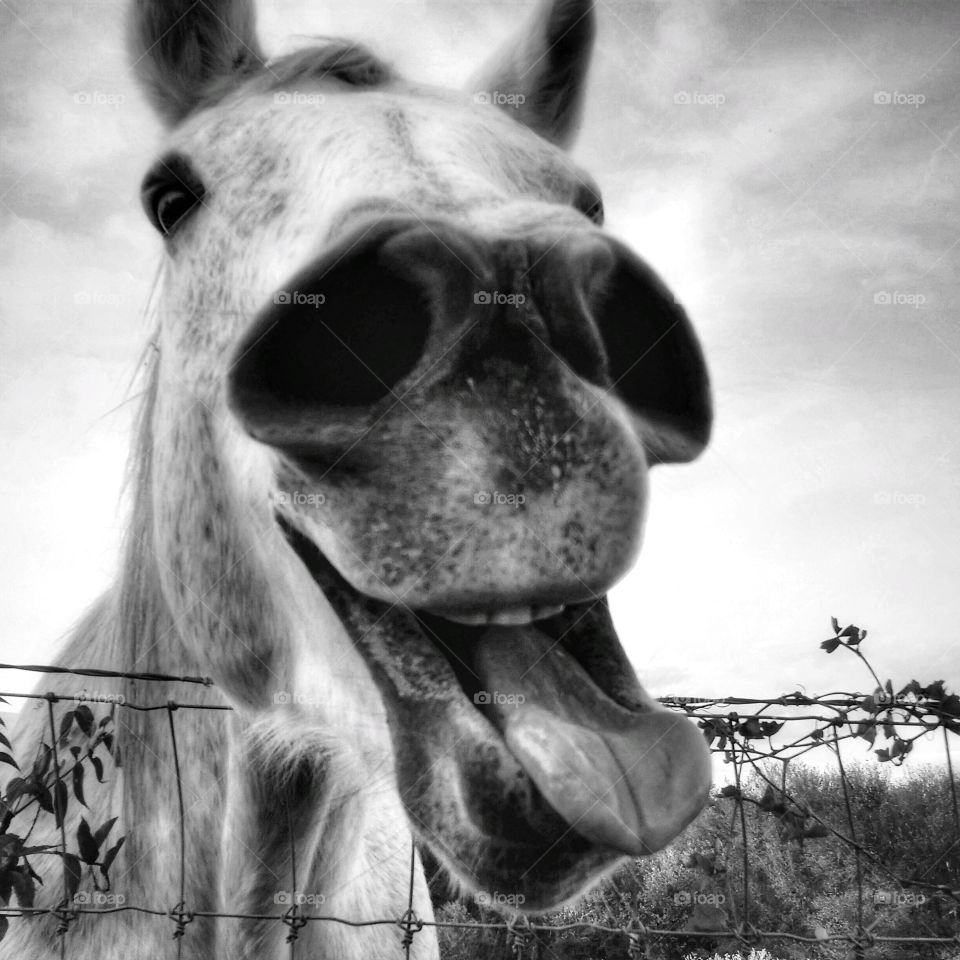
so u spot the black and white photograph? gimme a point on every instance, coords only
(480, 480)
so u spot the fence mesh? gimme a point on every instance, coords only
(757, 738)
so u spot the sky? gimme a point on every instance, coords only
(790, 168)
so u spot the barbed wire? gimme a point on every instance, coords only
(744, 740)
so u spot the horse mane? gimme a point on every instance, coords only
(140, 612)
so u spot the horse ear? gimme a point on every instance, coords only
(180, 48)
(539, 78)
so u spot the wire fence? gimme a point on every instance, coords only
(724, 908)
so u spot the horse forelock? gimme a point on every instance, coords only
(335, 58)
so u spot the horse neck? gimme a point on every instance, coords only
(280, 782)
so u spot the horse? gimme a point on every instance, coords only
(400, 407)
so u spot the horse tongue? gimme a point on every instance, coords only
(622, 779)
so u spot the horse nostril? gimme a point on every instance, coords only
(616, 325)
(343, 332)
(654, 359)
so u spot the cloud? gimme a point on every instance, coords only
(776, 197)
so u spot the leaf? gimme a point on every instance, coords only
(835, 623)
(882, 755)
(770, 727)
(111, 855)
(84, 717)
(867, 730)
(751, 729)
(951, 705)
(60, 800)
(5, 742)
(23, 887)
(66, 722)
(103, 831)
(817, 734)
(731, 790)
(32, 873)
(6, 758)
(912, 687)
(42, 763)
(78, 783)
(9, 844)
(6, 886)
(830, 645)
(4, 927)
(97, 767)
(44, 799)
(89, 848)
(71, 876)
(850, 631)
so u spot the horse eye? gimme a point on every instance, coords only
(589, 202)
(170, 192)
(595, 212)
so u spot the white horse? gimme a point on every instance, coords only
(392, 455)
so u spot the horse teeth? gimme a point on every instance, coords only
(513, 617)
(510, 617)
(542, 613)
(471, 619)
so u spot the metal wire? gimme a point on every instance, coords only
(739, 741)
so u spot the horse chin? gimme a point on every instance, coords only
(529, 758)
